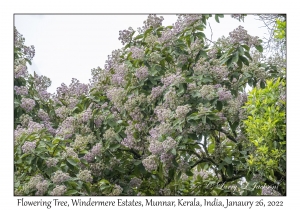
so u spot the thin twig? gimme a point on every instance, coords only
(210, 31)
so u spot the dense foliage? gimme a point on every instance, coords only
(168, 115)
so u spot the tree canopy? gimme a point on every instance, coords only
(169, 114)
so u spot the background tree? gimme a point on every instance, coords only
(276, 25)
(275, 43)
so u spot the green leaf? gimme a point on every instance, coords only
(55, 141)
(28, 61)
(148, 31)
(228, 160)
(230, 51)
(71, 184)
(248, 56)
(217, 18)
(250, 82)
(207, 80)
(40, 162)
(152, 80)
(83, 161)
(103, 187)
(17, 103)
(137, 162)
(129, 55)
(181, 89)
(72, 161)
(262, 84)
(246, 47)
(203, 54)
(241, 50)
(200, 27)
(259, 48)
(189, 173)
(114, 146)
(221, 166)
(211, 148)
(136, 135)
(169, 59)
(194, 116)
(229, 62)
(147, 64)
(103, 182)
(235, 57)
(83, 152)
(204, 19)
(87, 187)
(111, 123)
(138, 36)
(24, 155)
(244, 60)
(71, 192)
(162, 63)
(243, 152)
(229, 170)
(188, 40)
(200, 35)
(121, 170)
(212, 117)
(240, 64)
(173, 151)
(204, 119)
(219, 105)
(206, 166)
(234, 125)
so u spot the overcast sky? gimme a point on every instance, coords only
(69, 46)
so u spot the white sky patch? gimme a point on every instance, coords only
(69, 46)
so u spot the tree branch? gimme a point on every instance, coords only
(232, 178)
(201, 159)
(227, 135)
(135, 154)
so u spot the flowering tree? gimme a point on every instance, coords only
(275, 24)
(168, 115)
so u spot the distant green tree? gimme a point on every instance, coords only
(276, 25)
(266, 130)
